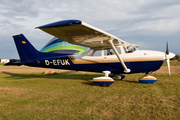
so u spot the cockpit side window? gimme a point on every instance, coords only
(103, 52)
(119, 50)
(108, 52)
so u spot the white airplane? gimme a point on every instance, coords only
(107, 53)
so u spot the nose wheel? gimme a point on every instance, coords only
(147, 78)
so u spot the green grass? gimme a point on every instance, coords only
(1, 63)
(172, 63)
(74, 96)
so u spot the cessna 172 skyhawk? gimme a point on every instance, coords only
(107, 53)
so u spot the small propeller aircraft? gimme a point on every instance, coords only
(106, 53)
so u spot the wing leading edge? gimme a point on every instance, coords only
(80, 33)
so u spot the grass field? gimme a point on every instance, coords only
(1, 63)
(172, 63)
(74, 96)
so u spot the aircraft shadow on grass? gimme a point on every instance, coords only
(73, 76)
(92, 84)
(130, 81)
(86, 77)
(60, 76)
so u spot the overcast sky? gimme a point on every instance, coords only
(147, 23)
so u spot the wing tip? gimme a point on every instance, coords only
(61, 23)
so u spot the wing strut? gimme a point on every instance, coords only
(126, 70)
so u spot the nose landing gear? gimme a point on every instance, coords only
(147, 78)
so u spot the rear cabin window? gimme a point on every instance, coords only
(94, 53)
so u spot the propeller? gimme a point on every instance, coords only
(167, 59)
(167, 49)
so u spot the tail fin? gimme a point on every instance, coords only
(25, 49)
(28, 53)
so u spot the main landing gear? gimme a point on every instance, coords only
(104, 81)
(109, 77)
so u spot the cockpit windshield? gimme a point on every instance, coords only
(129, 49)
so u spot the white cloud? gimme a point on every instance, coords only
(11, 8)
(122, 18)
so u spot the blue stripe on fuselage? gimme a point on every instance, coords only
(66, 63)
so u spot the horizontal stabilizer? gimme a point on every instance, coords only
(20, 63)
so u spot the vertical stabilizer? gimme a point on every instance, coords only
(28, 53)
(25, 49)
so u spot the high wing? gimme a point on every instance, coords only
(80, 33)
